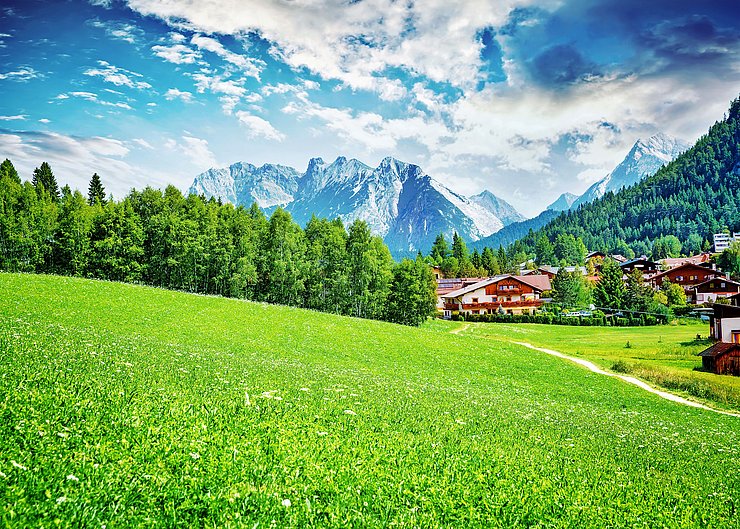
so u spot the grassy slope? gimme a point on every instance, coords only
(664, 355)
(123, 405)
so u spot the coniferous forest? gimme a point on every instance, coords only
(691, 198)
(164, 239)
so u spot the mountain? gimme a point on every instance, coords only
(499, 207)
(692, 197)
(243, 183)
(515, 231)
(401, 203)
(563, 202)
(644, 159)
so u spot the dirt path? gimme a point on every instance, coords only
(630, 380)
(460, 329)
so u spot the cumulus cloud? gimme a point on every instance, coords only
(258, 127)
(17, 117)
(177, 54)
(248, 66)
(118, 76)
(195, 149)
(174, 93)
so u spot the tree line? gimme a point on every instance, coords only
(168, 240)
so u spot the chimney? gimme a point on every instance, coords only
(727, 275)
(714, 266)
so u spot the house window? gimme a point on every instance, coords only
(475, 300)
(723, 284)
(679, 278)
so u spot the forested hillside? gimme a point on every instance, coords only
(692, 198)
(190, 243)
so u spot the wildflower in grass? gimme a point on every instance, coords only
(195, 455)
(349, 412)
(72, 477)
(61, 499)
(323, 433)
(286, 502)
(17, 465)
(459, 421)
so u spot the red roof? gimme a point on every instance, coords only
(540, 282)
(687, 266)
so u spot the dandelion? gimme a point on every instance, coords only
(349, 412)
(286, 502)
(72, 477)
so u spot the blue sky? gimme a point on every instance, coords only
(526, 99)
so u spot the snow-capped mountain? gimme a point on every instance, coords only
(243, 183)
(499, 207)
(401, 203)
(644, 159)
(563, 202)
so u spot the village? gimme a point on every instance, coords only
(710, 294)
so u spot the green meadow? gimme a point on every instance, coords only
(664, 355)
(129, 406)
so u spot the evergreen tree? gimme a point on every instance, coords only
(609, 291)
(43, 178)
(95, 190)
(638, 295)
(412, 297)
(570, 289)
(440, 251)
(8, 170)
(544, 252)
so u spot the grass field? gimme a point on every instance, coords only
(664, 355)
(124, 406)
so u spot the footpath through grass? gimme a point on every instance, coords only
(124, 406)
(664, 355)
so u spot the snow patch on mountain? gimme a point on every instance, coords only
(485, 222)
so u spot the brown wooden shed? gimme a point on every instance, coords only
(722, 358)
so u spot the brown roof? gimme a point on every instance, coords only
(719, 349)
(672, 262)
(540, 282)
(687, 266)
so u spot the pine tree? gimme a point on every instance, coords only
(95, 190)
(440, 250)
(609, 291)
(7, 169)
(43, 178)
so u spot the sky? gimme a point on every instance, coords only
(525, 99)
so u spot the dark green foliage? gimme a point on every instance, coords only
(570, 289)
(440, 250)
(544, 252)
(729, 260)
(412, 297)
(691, 198)
(609, 292)
(95, 191)
(44, 180)
(189, 243)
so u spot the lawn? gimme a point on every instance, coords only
(125, 406)
(665, 355)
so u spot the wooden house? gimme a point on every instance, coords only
(702, 259)
(723, 358)
(647, 267)
(687, 275)
(506, 294)
(717, 287)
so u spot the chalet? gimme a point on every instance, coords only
(717, 287)
(647, 267)
(723, 357)
(688, 276)
(445, 286)
(552, 271)
(505, 293)
(703, 259)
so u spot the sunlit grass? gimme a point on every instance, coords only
(129, 406)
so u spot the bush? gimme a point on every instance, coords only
(620, 366)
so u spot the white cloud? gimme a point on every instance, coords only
(22, 74)
(118, 30)
(118, 76)
(258, 127)
(174, 93)
(177, 54)
(17, 117)
(247, 65)
(93, 98)
(142, 143)
(195, 149)
(44, 121)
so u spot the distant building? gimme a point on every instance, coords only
(688, 275)
(718, 287)
(703, 259)
(506, 294)
(722, 241)
(647, 267)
